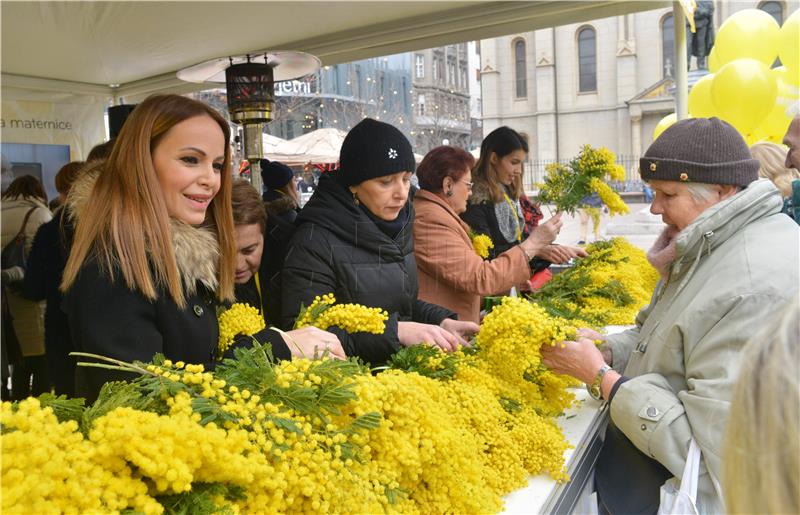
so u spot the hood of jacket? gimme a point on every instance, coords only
(720, 222)
(278, 204)
(196, 248)
(332, 207)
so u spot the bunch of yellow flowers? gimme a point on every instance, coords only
(239, 319)
(565, 186)
(607, 288)
(353, 318)
(482, 243)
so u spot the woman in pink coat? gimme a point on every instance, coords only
(451, 273)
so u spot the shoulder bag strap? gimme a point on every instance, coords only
(25, 222)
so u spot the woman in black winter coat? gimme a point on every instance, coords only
(354, 239)
(154, 249)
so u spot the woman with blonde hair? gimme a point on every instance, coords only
(154, 251)
(772, 158)
(762, 450)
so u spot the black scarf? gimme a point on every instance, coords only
(391, 228)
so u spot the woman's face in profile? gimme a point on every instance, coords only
(188, 162)
(508, 167)
(249, 248)
(384, 196)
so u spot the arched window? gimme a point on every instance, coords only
(520, 69)
(668, 46)
(587, 60)
(774, 9)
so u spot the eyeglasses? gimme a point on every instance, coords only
(469, 184)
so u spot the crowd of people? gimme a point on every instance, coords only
(155, 235)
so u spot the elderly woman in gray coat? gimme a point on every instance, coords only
(728, 259)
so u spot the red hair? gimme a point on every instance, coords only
(443, 162)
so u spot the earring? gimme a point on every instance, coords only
(449, 193)
(355, 199)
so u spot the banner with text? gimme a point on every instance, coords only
(79, 125)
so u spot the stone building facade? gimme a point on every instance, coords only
(603, 82)
(441, 97)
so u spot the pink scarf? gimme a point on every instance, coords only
(664, 251)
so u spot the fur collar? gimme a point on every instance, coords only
(196, 248)
(279, 205)
(481, 193)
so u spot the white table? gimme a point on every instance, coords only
(583, 425)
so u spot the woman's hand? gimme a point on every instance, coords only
(560, 253)
(581, 359)
(414, 333)
(462, 330)
(311, 343)
(542, 235)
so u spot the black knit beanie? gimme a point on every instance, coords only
(706, 150)
(373, 149)
(274, 174)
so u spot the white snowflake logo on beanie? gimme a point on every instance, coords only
(392, 153)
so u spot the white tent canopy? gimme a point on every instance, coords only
(132, 49)
(62, 63)
(271, 143)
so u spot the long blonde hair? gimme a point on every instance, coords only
(773, 165)
(762, 451)
(126, 225)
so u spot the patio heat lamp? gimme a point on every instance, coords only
(250, 86)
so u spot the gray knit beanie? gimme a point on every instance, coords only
(373, 149)
(706, 150)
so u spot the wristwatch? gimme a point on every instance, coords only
(594, 388)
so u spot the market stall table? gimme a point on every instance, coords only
(582, 424)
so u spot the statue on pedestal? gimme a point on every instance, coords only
(700, 42)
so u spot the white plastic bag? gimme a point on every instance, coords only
(683, 500)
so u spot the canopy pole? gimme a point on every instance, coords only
(681, 63)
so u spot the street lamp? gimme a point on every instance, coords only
(250, 85)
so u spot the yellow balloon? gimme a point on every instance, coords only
(700, 103)
(713, 60)
(663, 124)
(786, 78)
(744, 93)
(754, 137)
(786, 104)
(750, 33)
(789, 44)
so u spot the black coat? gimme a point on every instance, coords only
(481, 218)
(43, 273)
(108, 318)
(338, 249)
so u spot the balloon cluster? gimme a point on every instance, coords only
(742, 88)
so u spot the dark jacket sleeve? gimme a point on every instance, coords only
(306, 274)
(280, 351)
(427, 313)
(108, 319)
(34, 286)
